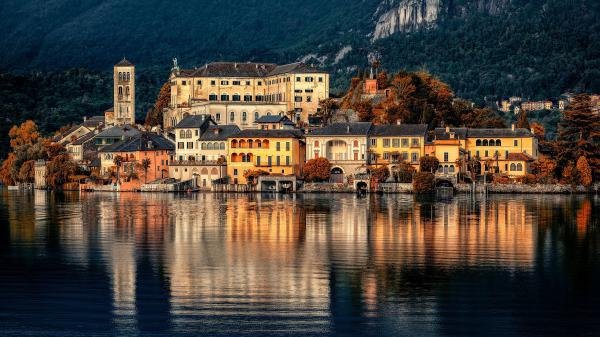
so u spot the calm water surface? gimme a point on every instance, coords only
(315, 265)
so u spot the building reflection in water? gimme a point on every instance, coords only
(310, 264)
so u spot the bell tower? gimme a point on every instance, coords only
(124, 93)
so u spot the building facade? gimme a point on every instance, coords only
(226, 87)
(392, 144)
(123, 110)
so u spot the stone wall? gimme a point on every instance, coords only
(525, 188)
(326, 188)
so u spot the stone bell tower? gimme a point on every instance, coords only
(124, 93)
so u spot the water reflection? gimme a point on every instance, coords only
(219, 264)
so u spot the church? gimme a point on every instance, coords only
(123, 110)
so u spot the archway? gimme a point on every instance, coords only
(337, 175)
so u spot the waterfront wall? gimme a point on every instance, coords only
(526, 188)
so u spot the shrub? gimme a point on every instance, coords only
(428, 164)
(502, 180)
(423, 183)
(380, 173)
(318, 169)
(404, 173)
(530, 179)
(252, 175)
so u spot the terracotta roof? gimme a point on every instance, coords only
(399, 130)
(519, 157)
(343, 129)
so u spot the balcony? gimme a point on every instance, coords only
(197, 163)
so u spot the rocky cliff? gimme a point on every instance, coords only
(394, 16)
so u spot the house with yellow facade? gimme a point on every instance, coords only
(393, 144)
(507, 151)
(277, 152)
(241, 93)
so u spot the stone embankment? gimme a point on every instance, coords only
(326, 188)
(528, 189)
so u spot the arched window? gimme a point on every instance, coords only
(247, 98)
(120, 91)
(316, 143)
(212, 97)
(215, 146)
(280, 113)
(485, 142)
(188, 134)
(255, 115)
(250, 143)
(203, 146)
(224, 97)
(440, 169)
(182, 134)
(513, 167)
(128, 76)
(209, 146)
(120, 76)
(232, 116)
(173, 121)
(519, 167)
(127, 90)
(445, 168)
(236, 97)
(258, 143)
(451, 168)
(356, 143)
(268, 113)
(222, 146)
(234, 143)
(492, 142)
(244, 116)
(478, 142)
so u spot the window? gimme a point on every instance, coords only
(445, 156)
(255, 115)
(451, 168)
(487, 153)
(492, 142)
(269, 160)
(182, 134)
(120, 91)
(259, 83)
(257, 160)
(224, 97)
(278, 146)
(287, 160)
(516, 142)
(199, 82)
(236, 98)
(184, 83)
(232, 116)
(224, 82)
(212, 97)
(236, 82)
(127, 90)
(218, 117)
(478, 142)
(298, 79)
(405, 156)
(404, 142)
(477, 153)
(309, 99)
(298, 99)
(519, 167)
(244, 116)
(485, 142)
(190, 145)
(278, 161)
(308, 79)
(260, 98)
(287, 146)
(308, 90)
(386, 142)
(188, 134)
(247, 98)
(415, 157)
(180, 145)
(203, 146)
(247, 82)
(235, 172)
(120, 76)
(213, 82)
(373, 142)
(222, 146)
(498, 142)
(396, 142)
(513, 167)
(506, 154)
(320, 79)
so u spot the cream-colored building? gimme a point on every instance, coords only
(263, 88)
(123, 110)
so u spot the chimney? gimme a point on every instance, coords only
(399, 122)
(347, 128)
(447, 129)
(512, 126)
(532, 131)
(84, 118)
(217, 131)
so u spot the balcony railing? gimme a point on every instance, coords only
(197, 162)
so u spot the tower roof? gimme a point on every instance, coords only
(124, 63)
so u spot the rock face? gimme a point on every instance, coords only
(394, 16)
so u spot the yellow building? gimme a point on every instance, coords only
(250, 88)
(501, 150)
(392, 144)
(280, 152)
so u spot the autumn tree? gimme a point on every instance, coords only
(382, 80)
(403, 172)
(327, 107)
(25, 134)
(318, 169)
(424, 183)
(538, 131)
(59, 169)
(380, 173)
(155, 113)
(27, 172)
(364, 110)
(585, 173)
(428, 164)
(544, 169)
(5, 170)
(579, 134)
(252, 175)
(522, 122)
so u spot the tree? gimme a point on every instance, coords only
(5, 170)
(318, 169)
(544, 169)
(155, 113)
(327, 107)
(144, 165)
(118, 160)
(24, 134)
(428, 164)
(252, 175)
(364, 110)
(522, 122)
(538, 131)
(380, 173)
(27, 172)
(585, 173)
(59, 169)
(579, 134)
(424, 183)
(403, 172)
(382, 80)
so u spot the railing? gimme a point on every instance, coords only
(197, 162)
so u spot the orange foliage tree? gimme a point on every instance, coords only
(154, 116)
(24, 134)
(428, 164)
(423, 183)
(59, 169)
(5, 170)
(252, 175)
(585, 173)
(318, 169)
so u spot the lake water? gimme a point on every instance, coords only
(307, 265)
